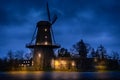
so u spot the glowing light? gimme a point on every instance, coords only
(45, 29)
(52, 63)
(39, 55)
(38, 43)
(32, 63)
(56, 63)
(63, 62)
(95, 59)
(100, 68)
(73, 63)
(28, 64)
(46, 43)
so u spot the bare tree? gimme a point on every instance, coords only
(115, 55)
(63, 53)
(93, 53)
(101, 51)
(28, 56)
(19, 55)
(10, 55)
(82, 48)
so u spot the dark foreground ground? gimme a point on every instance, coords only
(59, 75)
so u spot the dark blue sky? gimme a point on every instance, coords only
(95, 21)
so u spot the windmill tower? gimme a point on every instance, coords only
(44, 43)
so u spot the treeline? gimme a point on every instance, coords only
(13, 59)
(87, 58)
(80, 50)
(84, 50)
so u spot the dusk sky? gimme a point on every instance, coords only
(95, 21)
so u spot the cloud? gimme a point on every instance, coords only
(92, 20)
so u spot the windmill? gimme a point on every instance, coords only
(44, 43)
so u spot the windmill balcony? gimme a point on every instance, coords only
(32, 45)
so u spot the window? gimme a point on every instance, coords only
(46, 37)
(46, 43)
(28, 64)
(39, 55)
(22, 65)
(32, 63)
(45, 29)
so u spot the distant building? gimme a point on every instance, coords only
(25, 63)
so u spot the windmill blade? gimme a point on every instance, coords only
(54, 19)
(48, 12)
(33, 37)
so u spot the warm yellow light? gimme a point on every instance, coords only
(46, 43)
(63, 62)
(100, 68)
(56, 63)
(39, 55)
(73, 63)
(22, 65)
(52, 63)
(32, 63)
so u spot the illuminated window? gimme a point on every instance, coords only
(45, 36)
(45, 29)
(24, 65)
(56, 63)
(46, 43)
(95, 59)
(38, 43)
(32, 63)
(52, 63)
(73, 63)
(28, 64)
(39, 55)
(63, 62)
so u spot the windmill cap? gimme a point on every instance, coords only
(43, 23)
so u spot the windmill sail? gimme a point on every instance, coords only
(48, 13)
(54, 19)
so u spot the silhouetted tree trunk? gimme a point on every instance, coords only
(83, 50)
(10, 58)
(101, 51)
(93, 53)
(10, 55)
(81, 47)
(115, 55)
